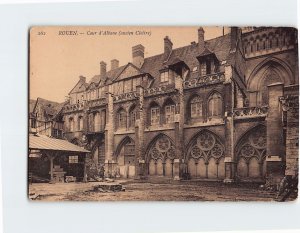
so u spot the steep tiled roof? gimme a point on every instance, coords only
(31, 105)
(109, 75)
(220, 46)
(42, 142)
(50, 108)
(79, 87)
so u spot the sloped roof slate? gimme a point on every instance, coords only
(42, 142)
(220, 46)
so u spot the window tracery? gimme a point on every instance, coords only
(205, 146)
(162, 149)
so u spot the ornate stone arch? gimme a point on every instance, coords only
(160, 156)
(251, 145)
(205, 156)
(122, 143)
(282, 67)
(271, 70)
(205, 144)
(160, 147)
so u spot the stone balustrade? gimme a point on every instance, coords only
(125, 96)
(159, 90)
(250, 112)
(97, 102)
(73, 107)
(205, 80)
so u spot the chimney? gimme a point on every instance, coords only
(138, 55)
(82, 78)
(102, 69)
(200, 39)
(233, 37)
(167, 47)
(114, 64)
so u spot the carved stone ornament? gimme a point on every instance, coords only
(162, 149)
(206, 146)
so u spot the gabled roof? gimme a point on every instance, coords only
(50, 108)
(79, 87)
(129, 70)
(42, 142)
(219, 46)
(109, 76)
(31, 105)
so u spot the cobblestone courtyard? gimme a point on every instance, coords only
(152, 190)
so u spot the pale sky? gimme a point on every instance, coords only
(57, 61)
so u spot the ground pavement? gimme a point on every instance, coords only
(151, 190)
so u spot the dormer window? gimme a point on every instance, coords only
(208, 62)
(205, 67)
(164, 77)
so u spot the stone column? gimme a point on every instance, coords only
(140, 164)
(178, 168)
(178, 151)
(109, 136)
(229, 126)
(275, 148)
(292, 135)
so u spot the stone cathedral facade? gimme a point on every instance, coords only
(218, 109)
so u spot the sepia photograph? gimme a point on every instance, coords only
(140, 113)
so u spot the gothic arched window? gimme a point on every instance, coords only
(196, 105)
(132, 117)
(80, 123)
(122, 119)
(215, 105)
(71, 124)
(97, 121)
(155, 115)
(170, 113)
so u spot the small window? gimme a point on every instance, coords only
(164, 77)
(132, 116)
(170, 113)
(73, 159)
(215, 105)
(155, 116)
(80, 123)
(122, 118)
(196, 107)
(71, 124)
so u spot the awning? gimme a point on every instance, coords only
(41, 142)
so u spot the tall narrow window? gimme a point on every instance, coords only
(170, 113)
(215, 105)
(132, 118)
(203, 68)
(80, 123)
(122, 119)
(196, 107)
(97, 122)
(71, 124)
(155, 115)
(208, 67)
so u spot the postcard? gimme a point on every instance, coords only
(163, 113)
